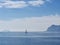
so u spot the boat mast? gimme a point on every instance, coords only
(26, 29)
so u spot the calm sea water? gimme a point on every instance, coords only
(32, 39)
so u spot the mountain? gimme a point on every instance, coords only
(54, 28)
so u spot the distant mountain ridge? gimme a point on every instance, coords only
(54, 28)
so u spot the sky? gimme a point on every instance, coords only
(33, 15)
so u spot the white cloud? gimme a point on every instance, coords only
(17, 4)
(36, 2)
(32, 23)
(14, 4)
(22, 3)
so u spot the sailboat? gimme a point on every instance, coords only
(26, 31)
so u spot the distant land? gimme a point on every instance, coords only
(54, 28)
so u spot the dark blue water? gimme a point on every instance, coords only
(39, 40)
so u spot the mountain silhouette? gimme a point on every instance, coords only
(54, 28)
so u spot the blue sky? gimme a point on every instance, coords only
(48, 8)
(38, 14)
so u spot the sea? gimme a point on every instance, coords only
(30, 38)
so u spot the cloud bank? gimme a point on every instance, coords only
(21, 4)
(31, 23)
